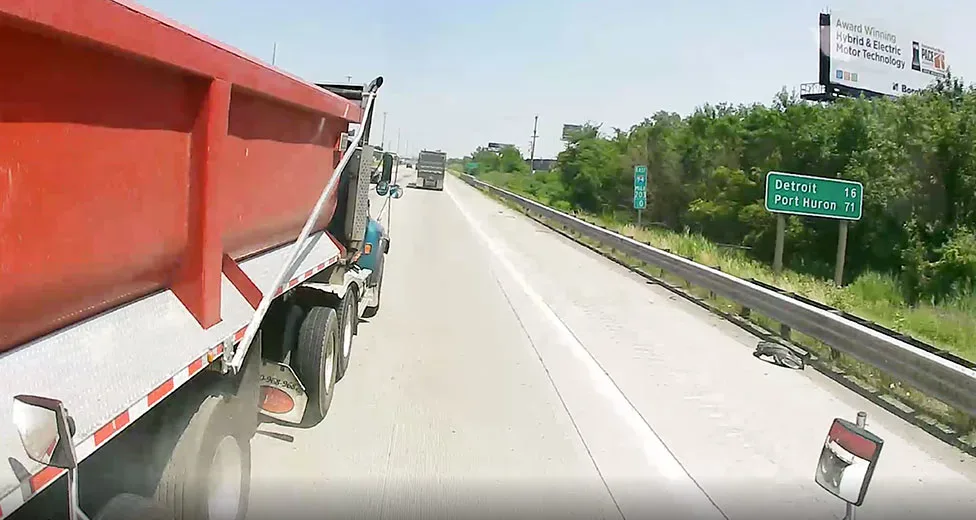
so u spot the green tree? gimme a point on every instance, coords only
(915, 155)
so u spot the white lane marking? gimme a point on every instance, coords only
(654, 449)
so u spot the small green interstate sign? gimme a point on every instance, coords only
(640, 187)
(813, 196)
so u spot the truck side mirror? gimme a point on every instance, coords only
(45, 430)
(387, 172)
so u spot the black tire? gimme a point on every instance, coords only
(127, 506)
(187, 483)
(348, 319)
(369, 312)
(280, 330)
(315, 361)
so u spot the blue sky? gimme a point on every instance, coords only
(464, 72)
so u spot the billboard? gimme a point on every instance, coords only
(497, 147)
(571, 130)
(861, 54)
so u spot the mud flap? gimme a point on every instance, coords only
(283, 396)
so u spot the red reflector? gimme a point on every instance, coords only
(274, 400)
(367, 248)
(852, 442)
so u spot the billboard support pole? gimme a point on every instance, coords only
(780, 239)
(841, 254)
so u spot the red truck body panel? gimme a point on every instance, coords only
(135, 155)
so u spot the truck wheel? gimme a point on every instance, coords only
(349, 312)
(127, 506)
(369, 312)
(315, 361)
(208, 475)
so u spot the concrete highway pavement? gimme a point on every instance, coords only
(513, 373)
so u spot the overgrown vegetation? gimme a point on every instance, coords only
(911, 259)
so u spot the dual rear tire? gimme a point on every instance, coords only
(315, 361)
(322, 353)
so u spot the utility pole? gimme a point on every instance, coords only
(398, 142)
(274, 53)
(535, 134)
(383, 133)
(348, 79)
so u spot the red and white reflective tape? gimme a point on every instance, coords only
(306, 275)
(43, 478)
(87, 446)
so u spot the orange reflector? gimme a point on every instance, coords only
(367, 248)
(274, 400)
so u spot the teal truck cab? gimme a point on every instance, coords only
(370, 247)
(376, 243)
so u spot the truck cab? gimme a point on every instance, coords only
(376, 243)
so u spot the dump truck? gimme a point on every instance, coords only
(186, 249)
(431, 167)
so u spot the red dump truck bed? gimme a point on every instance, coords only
(152, 184)
(135, 154)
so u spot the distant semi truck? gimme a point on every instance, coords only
(431, 167)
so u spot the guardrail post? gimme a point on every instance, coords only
(785, 331)
(711, 293)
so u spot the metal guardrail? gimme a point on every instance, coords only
(940, 378)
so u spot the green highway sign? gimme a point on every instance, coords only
(640, 201)
(813, 196)
(640, 177)
(640, 187)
